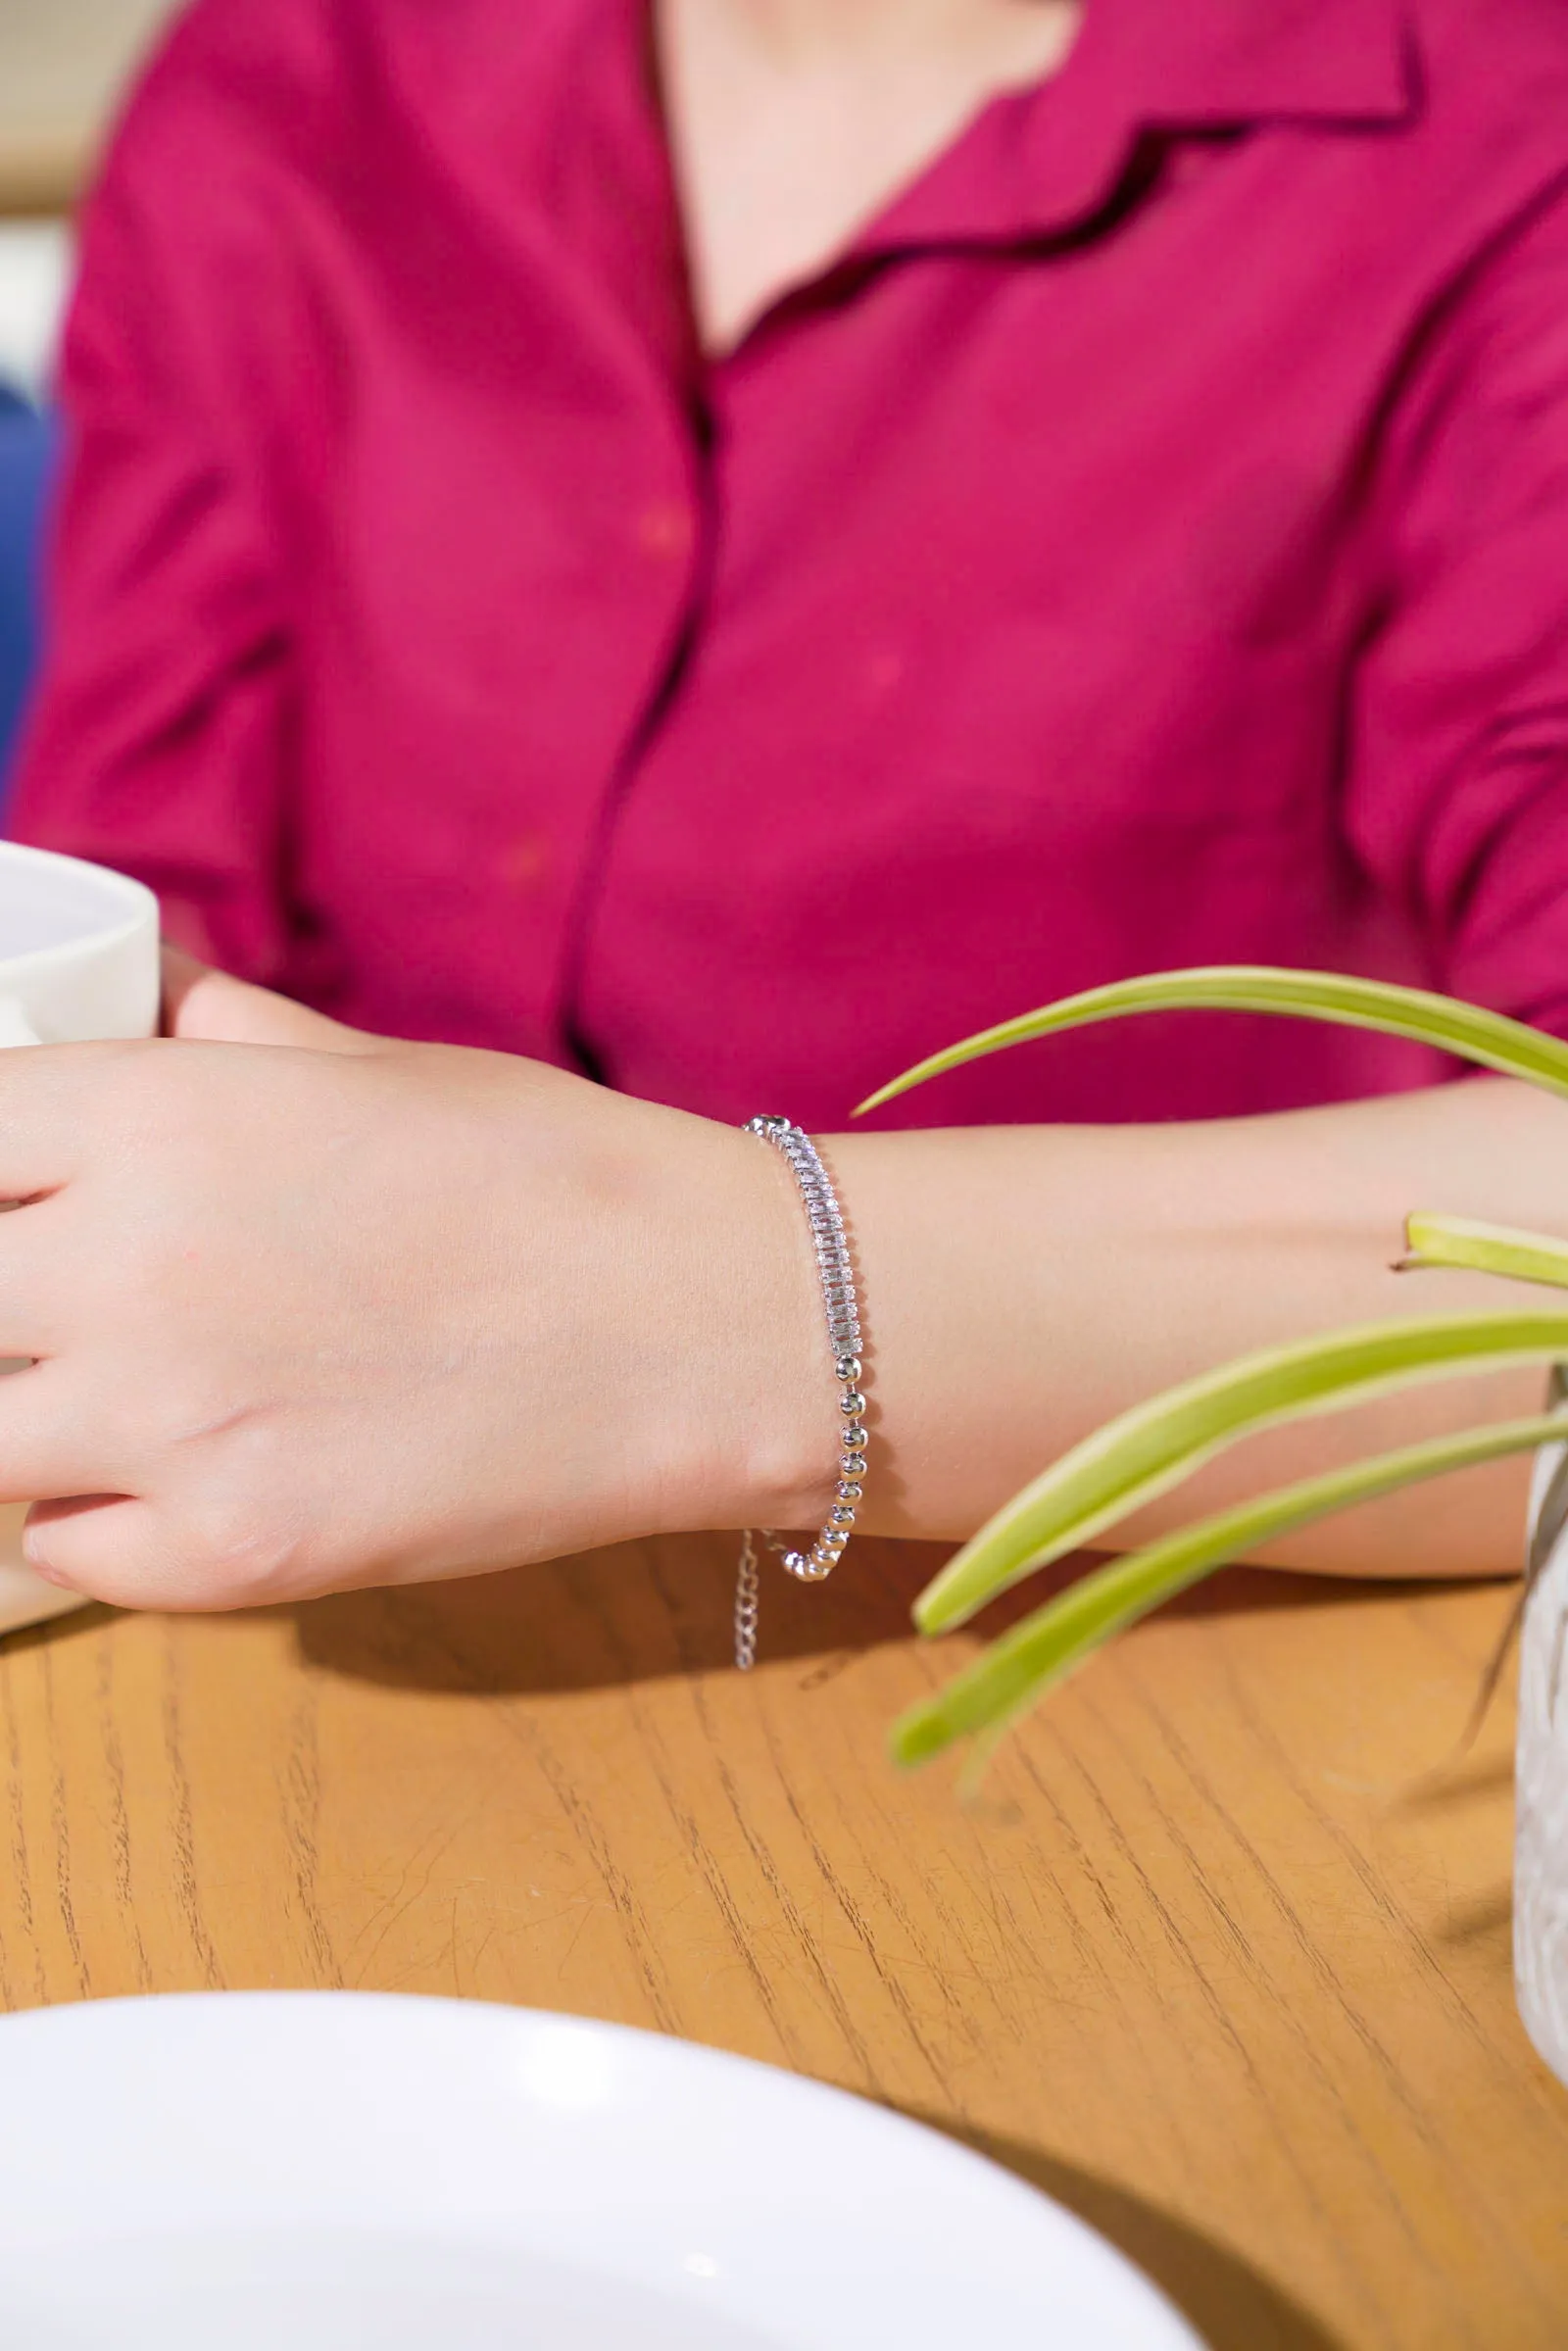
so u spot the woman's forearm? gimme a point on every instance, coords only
(307, 1309)
(1022, 1284)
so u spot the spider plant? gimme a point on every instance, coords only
(1153, 1446)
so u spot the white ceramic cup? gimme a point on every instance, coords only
(78, 959)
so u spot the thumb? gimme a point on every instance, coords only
(209, 1006)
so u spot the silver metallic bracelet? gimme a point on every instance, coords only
(837, 1277)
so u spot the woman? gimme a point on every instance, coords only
(712, 550)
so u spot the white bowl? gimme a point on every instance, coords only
(352, 2172)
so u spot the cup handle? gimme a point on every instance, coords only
(14, 1026)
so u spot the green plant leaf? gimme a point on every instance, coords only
(1485, 1248)
(1017, 1669)
(1487, 1038)
(1146, 1450)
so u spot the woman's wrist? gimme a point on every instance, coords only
(712, 1341)
(772, 1459)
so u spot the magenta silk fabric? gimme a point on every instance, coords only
(1146, 545)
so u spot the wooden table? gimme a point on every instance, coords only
(1221, 1961)
(61, 65)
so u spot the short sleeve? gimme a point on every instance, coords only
(1457, 729)
(160, 736)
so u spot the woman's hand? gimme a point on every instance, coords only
(313, 1309)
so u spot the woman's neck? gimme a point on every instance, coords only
(793, 122)
(800, 32)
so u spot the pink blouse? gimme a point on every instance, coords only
(1147, 544)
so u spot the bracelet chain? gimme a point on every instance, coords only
(836, 1278)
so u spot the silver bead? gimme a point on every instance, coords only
(840, 1311)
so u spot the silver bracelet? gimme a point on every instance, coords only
(837, 1277)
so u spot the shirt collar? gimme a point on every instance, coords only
(1049, 158)
(1232, 62)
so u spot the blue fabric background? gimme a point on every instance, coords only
(27, 456)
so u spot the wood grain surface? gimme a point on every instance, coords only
(1220, 1959)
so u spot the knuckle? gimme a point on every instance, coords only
(245, 1550)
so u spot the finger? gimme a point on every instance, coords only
(28, 1333)
(50, 1447)
(49, 1103)
(118, 1549)
(91, 1543)
(211, 1008)
(41, 1292)
(180, 971)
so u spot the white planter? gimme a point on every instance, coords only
(1540, 1853)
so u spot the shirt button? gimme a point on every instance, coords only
(664, 530)
(523, 860)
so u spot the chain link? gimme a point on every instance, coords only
(746, 1605)
(836, 1274)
